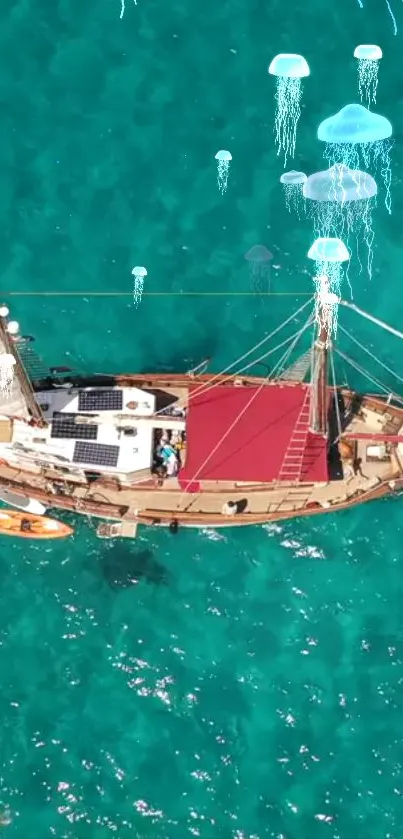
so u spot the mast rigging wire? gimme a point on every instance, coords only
(335, 396)
(372, 318)
(207, 385)
(368, 376)
(371, 354)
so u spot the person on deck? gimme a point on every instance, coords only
(25, 525)
(229, 508)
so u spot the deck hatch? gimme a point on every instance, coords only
(100, 400)
(96, 454)
(65, 427)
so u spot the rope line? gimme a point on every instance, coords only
(335, 394)
(372, 355)
(372, 318)
(372, 379)
(280, 365)
(206, 385)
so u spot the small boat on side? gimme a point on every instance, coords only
(29, 526)
(29, 505)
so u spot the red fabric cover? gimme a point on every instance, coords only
(255, 447)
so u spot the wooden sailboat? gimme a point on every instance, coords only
(198, 449)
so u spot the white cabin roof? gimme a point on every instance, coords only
(108, 448)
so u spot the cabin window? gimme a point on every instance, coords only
(128, 432)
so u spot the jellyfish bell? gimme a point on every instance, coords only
(368, 56)
(259, 258)
(356, 135)
(340, 184)
(289, 65)
(354, 124)
(224, 155)
(289, 70)
(258, 253)
(328, 249)
(368, 52)
(293, 183)
(139, 271)
(293, 177)
(223, 158)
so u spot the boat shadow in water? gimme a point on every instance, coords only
(123, 568)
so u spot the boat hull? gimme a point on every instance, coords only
(156, 503)
(40, 527)
(28, 505)
(163, 518)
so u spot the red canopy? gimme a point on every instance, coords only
(254, 449)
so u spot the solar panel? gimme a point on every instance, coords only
(64, 427)
(100, 400)
(96, 454)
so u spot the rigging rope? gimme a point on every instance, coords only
(273, 350)
(279, 366)
(206, 385)
(368, 376)
(372, 318)
(233, 424)
(371, 354)
(313, 402)
(336, 398)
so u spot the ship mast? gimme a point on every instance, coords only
(326, 307)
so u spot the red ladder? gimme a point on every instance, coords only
(291, 467)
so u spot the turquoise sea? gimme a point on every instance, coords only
(236, 686)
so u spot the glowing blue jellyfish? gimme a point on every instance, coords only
(341, 201)
(329, 253)
(369, 56)
(355, 133)
(289, 69)
(224, 159)
(259, 259)
(139, 273)
(293, 185)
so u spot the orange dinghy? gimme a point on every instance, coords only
(28, 526)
